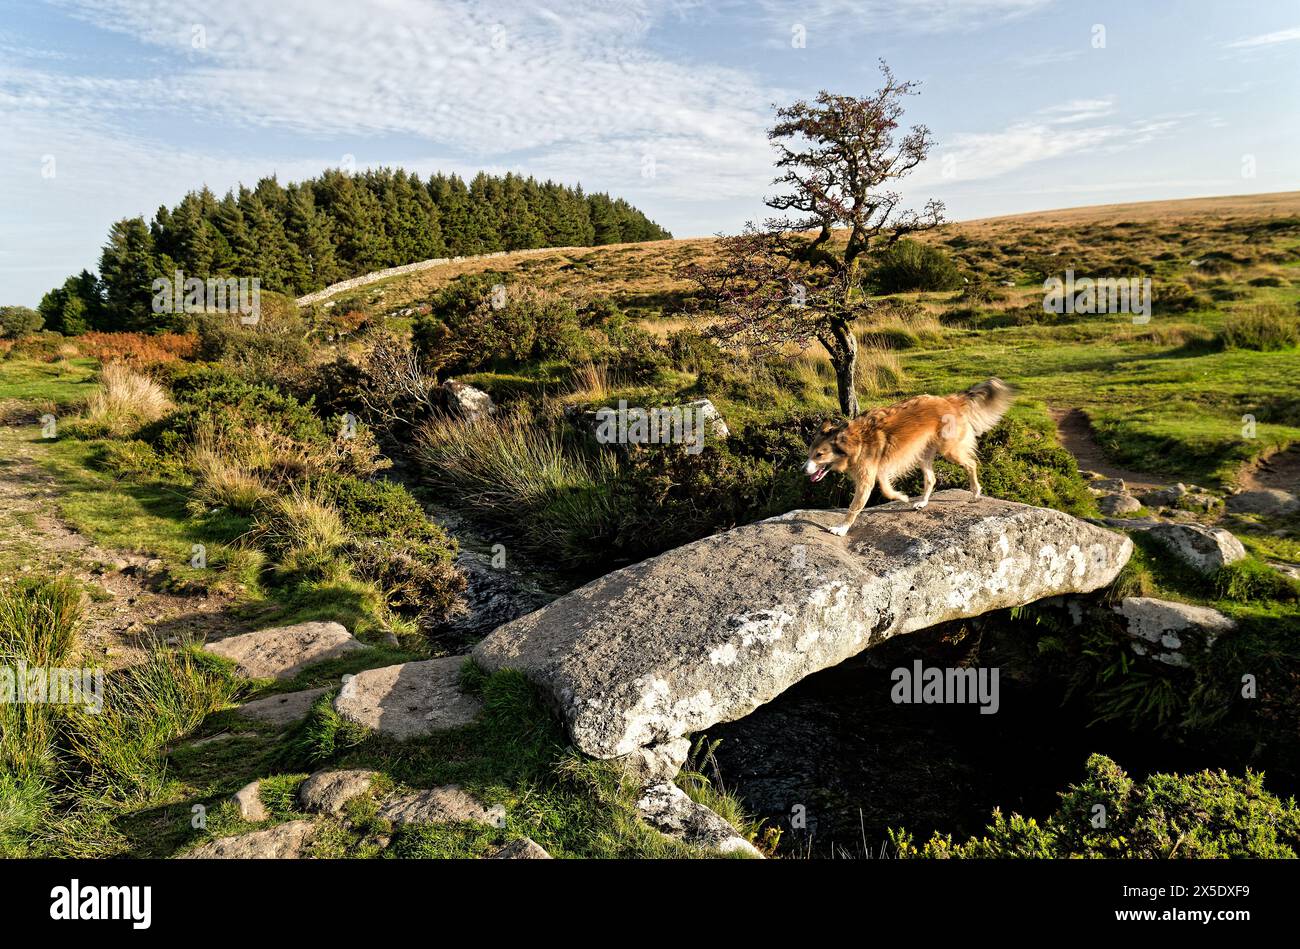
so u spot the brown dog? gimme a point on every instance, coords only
(886, 443)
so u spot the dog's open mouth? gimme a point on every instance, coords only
(816, 472)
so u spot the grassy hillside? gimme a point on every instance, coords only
(272, 447)
(1164, 396)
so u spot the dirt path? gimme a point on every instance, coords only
(1074, 432)
(1280, 471)
(121, 611)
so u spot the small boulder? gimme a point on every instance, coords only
(1201, 501)
(667, 808)
(329, 791)
(1205, 549)
(1267, 501)
(1162, 629)
(466, 401)
(286, 841)
(1110, 484)
(249, 801)
(1163, 497)
(1115, 504)
(445, 805)
(523, 848)
(283, 651)
(410, 699)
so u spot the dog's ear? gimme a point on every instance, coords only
(828, 426)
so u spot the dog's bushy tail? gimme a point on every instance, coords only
(986, 403)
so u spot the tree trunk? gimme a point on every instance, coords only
(844, 358)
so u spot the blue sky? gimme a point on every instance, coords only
(112, 107)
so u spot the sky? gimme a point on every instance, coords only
(109, 108)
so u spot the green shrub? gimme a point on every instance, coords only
(16, 321)
(1204, 815)
(692, 351)
(476, 324)
(910, 265)
(1265, 328)
(392, 542)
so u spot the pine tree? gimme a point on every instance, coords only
(127, 267)
(314, 264)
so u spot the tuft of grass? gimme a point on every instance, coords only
(879, 370)
(591, 382)
(122, 747)
(304, 533)
(220, 481)
(125, 401)
(1253, 580)
(1265, 327)
(506, 469)
(39, 621)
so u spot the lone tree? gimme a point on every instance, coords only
(779, 284)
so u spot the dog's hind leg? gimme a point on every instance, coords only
(927, 475)
(964, 455)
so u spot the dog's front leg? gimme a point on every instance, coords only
(860, 494)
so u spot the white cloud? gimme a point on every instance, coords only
(1266, 39)
(1055, 132)
(852, 18)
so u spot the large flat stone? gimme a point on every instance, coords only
(281, 709)
(445, 805)
(283, 651)
(281, 842)
(708, 632)
(408, 700)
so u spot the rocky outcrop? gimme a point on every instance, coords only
(284, 651)
(1164, 629)
(708, 632)
(690, 424)
(408, 700)
(1205, 549)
